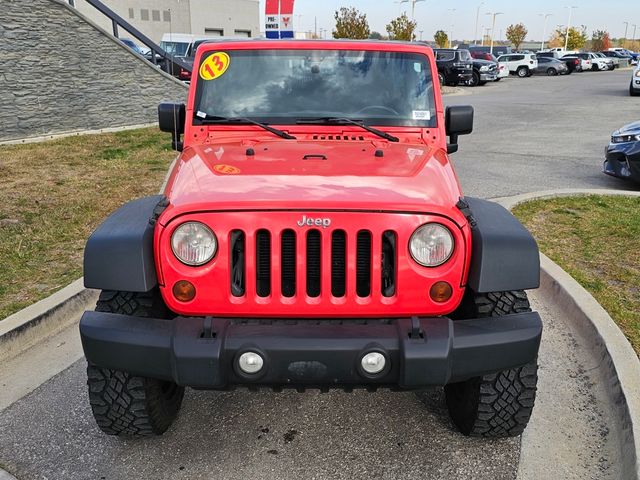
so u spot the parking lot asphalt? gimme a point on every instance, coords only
(541, 133)
(531, 134)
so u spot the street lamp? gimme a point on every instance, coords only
(413, 6)
(493, 27)
(475, 35)
(626, 27)
(566, 37)
(634, 35)
(544, 28)
(453, 11)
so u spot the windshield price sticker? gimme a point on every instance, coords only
(421, 115)
(214, 66)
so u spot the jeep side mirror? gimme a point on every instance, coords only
(171, 118)
(458, 120)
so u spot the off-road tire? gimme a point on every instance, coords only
(499, 404)
(126, 404)
(522, 72)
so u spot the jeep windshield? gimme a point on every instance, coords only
(297, 86)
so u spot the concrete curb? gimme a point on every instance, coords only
(23, 329)
(4, 475)
(608, 342)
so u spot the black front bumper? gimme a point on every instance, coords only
(203, 352)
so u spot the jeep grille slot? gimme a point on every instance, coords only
(288, 263)
(363, 264)
(338, 263)
(389, 262)
(313, 263)
(237, 243)
(263, 263)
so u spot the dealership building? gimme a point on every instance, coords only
(154, 18)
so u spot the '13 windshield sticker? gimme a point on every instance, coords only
(214, 66)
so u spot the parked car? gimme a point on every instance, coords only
(503, 70)
(634, 87)
(497, 49)
(614, 60)
(483, 71)
(622, 157)
(574, 64)
(230, 277)
(624, 60)
(585, 63)
(454, 66)
(520, 64)
(133, 46)
(551, 67)
(597, 63)
(624, 51)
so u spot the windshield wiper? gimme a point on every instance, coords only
(215, 120)
(348, 121)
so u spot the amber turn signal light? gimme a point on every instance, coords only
(184, 291)
(440, 292)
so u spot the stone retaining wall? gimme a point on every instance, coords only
(60, 73)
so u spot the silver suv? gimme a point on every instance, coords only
(520, 64)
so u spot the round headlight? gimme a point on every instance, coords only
(193, 243)
(431, 245)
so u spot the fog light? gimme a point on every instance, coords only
(184, 291)
(250, 362)
(373, 363)
(440, 292)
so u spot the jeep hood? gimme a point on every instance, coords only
(313, 175)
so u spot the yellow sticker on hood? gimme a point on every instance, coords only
(214, 66)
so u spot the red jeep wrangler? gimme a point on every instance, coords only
(312, 234)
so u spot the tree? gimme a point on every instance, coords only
(577, 37)
(402, 29)
(516, 34)
(375, 36)
(350, 23)
(600, 41)
(441, 38)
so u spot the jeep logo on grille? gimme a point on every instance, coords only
(314, 222)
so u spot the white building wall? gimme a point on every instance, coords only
(154, 18)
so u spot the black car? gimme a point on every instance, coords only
(622, 156)
(454, 66)
(551, 66)
(574, 64)
(483, 71)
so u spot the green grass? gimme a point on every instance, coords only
(596, 239)
(52, 196)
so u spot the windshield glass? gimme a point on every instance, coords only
(179, 49)
(282, 86)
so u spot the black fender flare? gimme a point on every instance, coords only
(119, 253)
(504, 255)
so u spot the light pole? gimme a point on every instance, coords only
(413, 6)
(634, 35)
(475, 35)
(421, 34)
(626, 27)
(566, 37)
(544, 28)
(453, 12)
(493, 27)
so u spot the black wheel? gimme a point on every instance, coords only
(632, 91)
(126, 404)
(474, 81)
(522, 72)
(552, 72)
(499, 404)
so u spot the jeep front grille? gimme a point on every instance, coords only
(313, 249)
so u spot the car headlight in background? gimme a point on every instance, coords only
(431, 245)
(193, 243)
(484, 68)
(625, 138)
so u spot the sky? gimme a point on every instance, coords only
(433, 15)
